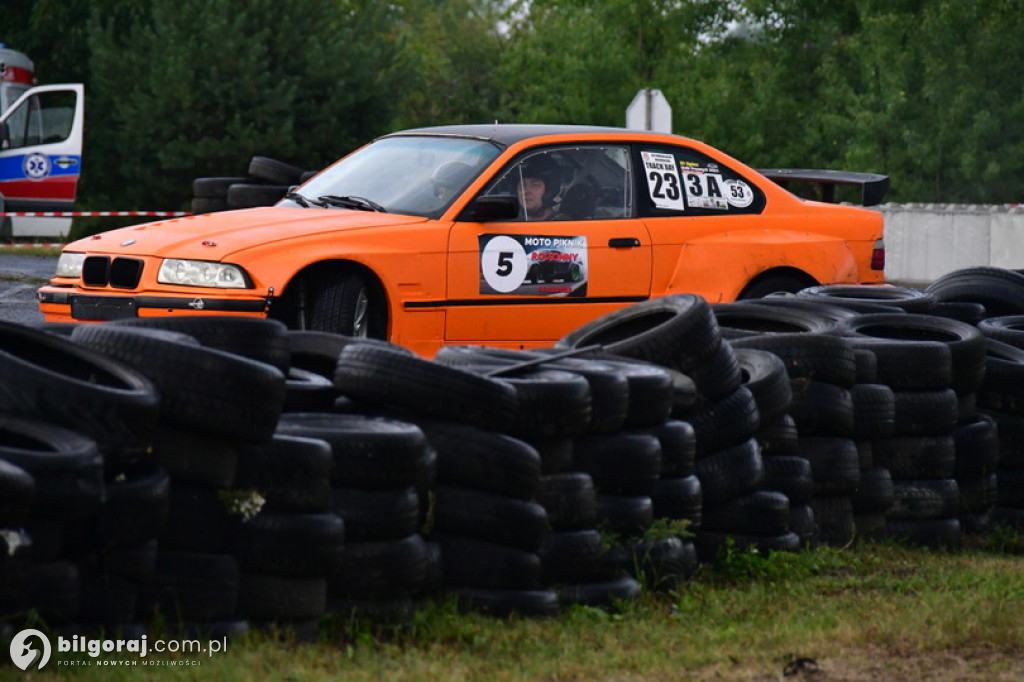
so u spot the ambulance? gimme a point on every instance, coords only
(41, 130)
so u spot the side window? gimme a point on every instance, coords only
(42, 119)
(570, 183)
(682, 181)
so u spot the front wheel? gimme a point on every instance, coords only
(344, 304)
(759, 288)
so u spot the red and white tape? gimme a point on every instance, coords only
(81, 214)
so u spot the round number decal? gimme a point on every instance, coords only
(738, 193)
(503, 263)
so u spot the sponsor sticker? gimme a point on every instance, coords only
(533, 265)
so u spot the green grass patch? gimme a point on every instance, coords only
(866, 612)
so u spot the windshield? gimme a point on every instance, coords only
(414, 175)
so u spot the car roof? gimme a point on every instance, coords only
(506, 134)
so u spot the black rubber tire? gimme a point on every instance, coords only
(867, 366)
(136, 505)
(717, 376)
(191, 456)
(730, 473)
(661, 564)
(835, 465)
(469, 562)
(214, 188)
(372, 515)
(964, 311)
(763, 512)
(289, 543)
(504, 603)
(372, 452)
(678, 442)
(274, 171)
(809, 356)
(679, 498)
(779, 284)
(198, 520)
(285, 599)
(764, 375)
(814, 307)
(874, 411)
(627, 516)
(929, 498)
(256, 338)
(711, 545)
(966, 343)
(833, 516)
(1004, 376)
(578, 556)
(724, 423)
(552, 403)
(916, 456)
(821, 409)
(484, 460)
(52, 378)
(977, 447)
(875, 494)
(388, 569)
(934, 533)
(778, 438)
(318, 351)
(569, 499)
(189, 586)
(905, 298)
(926, 413)
(201, 205)
(66, 467)
(17, 488)
(1000, 290)
(737, 320)
(292, 473)
(342, 302)
(555, 454)
(600, 594)
(651, 392)
(620, 463)
(791, 475)
(249, 195)
(677, 331)
(222, 393)
(490, 517)
(385, 376)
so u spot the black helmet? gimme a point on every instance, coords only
(541, 166)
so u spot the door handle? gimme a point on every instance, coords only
(623, 242)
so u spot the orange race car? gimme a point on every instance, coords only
(504, 235)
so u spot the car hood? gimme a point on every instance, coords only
(215, 236)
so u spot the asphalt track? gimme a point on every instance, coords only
(20, 276)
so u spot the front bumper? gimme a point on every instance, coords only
(62, 304)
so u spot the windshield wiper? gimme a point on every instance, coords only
(298, 199)
(360, 203)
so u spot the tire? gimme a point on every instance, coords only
(318, 351)
(342, 302)
(762, 512)
(651, 391)
(17, 488)
(661, 564)
(372, 515)
(736, 320)
(256, 338)
(579, 556)
(679, 498)
(485, 516)
(833, 516)
(764, 375)
(678, 442)
(552, 403)
(65, 466)
(930, 498)
(221, 394)
(677, 331)
(809, 356)
(821, 409)
(292, 473)
(214, 188)
(1001, 291)
(569, 500)
(271, 170)
(50, 377)
(790, 475)
(600, 594)
(1004, 375)
(906, 299)
(966, 343)
(137, 500)
(876, 494)
(290, 544)
(711, 545)
(725, 423)
(385, 376)
(273, 598)
(916, 457)
(201, 205)
(778, 438)
(248, 195)
(730, 473)
(935, 533)
(766, 284)
(475, 563)
(625, 515)
(190, 456)
(193, 587)
(504, 603)
(371, 452)
(926, 413)
(306, 391)
(835, 465)
(1007, 328)
(819, 308)
(384, 569)
(874, 411)
(621, 463)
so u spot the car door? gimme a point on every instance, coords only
(41, 151)
(531, 280)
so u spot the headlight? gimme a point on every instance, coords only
(201, 273)
(70, 264)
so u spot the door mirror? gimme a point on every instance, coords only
(496, 207)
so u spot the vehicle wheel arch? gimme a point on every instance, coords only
(302, 282)
(783, 277)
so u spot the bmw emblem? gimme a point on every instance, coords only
(128, 243)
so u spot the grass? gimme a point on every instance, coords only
(867, 612)
(24, 250)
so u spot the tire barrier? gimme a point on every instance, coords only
(266, 182)
(225, 475)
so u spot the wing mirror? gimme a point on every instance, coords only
(493, 208)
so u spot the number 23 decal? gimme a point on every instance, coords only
(664, 185)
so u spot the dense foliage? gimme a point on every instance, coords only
(926, 91)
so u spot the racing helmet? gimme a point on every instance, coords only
(543, 167)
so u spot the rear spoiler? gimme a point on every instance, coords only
(872, 185)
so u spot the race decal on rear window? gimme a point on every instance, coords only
(663, 180)
(533, 265)
(738, 193)
(705, 187)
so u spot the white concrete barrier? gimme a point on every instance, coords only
(926, 241)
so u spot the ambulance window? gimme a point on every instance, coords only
(42, 119)
(681, 181)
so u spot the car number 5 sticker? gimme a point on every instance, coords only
(503, 264)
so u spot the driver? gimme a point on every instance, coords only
(450, 178)
(538, 188)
